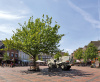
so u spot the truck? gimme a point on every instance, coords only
(64, 62)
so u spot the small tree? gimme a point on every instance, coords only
(74, 61)
(37, 58)
(57, 55)
(90, 52)
(66, 54)
(79, 54)
(41, 58)
(99, 60)
(6, 57)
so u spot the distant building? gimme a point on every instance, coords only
(13, 54)
(45, 57)
(84, 48)
(1, 52)
(97, 44)
(62, 53)
(24, 58)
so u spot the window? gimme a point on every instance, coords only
(8, 53)
(23, 56)
(15, 55)
(12, 54)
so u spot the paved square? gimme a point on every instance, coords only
(76, 74)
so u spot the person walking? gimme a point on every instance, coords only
(2, 64)
(12, 64)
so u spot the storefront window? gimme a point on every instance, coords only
(15, 55)
(8, 53)
(12, 54)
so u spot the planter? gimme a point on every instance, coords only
(92, 66)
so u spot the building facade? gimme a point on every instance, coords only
(44, 57)
(13, 54)
(24, 58)
(97, 45)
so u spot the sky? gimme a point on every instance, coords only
(79, 20)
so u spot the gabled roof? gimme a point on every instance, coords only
(1, 45)
(96, 43)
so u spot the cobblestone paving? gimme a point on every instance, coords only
(76, 74)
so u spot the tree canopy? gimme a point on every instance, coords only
(99, 59)
(79, 54)
(41, 58)
(91, 52)
(35, 37)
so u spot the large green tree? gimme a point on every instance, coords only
(79, 54)
(36, 36)
(91, 52)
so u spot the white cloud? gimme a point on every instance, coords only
(9, 16)
(6, 29)
(87, 16)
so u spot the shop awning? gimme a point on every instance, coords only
(40, 61)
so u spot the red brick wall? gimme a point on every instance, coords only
(14, 52)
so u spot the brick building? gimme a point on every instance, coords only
(96, 44)
(13, 54)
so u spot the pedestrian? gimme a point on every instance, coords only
(11, 64)
(2, 64)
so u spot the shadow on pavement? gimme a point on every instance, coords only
(58, 72)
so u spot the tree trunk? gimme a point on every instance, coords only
(34, 67)
(34, 62)
(80, 62)
(6, 62)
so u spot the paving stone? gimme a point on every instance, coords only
(76, 74)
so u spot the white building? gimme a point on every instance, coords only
(24, 58)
